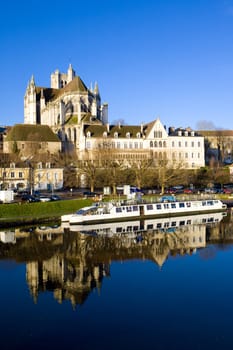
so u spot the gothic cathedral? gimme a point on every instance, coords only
(65, 106)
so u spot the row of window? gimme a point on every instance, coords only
(21, 175)
(139, 145)
(117, 145)
(39, 165)
(116, 135)
(174, 144)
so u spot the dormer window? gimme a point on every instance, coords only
(105, 134)
(179, 133)
(138, 135)
(128, 135)
(48, 166)
(39, 165)
(88, 134)
(12, 165)
(186, 133)
(115, 135)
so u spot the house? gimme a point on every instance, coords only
(31, 176)
(29, 140)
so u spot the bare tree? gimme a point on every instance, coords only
(168, 173)
(140, 169)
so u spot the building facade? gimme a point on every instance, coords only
(30, 140)
(39, 176)
(218, 146)
(129, 144)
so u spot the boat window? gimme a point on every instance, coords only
(166, 206)
(182, 223)
(128, 209)
(159, 206)
(181, 205)
(118, 210)
(203, 203)
(135, 208)
(129, 228)
(149, 206)
(159, 225)
(173, 223)
(188, 204)
(188, 222)
(210, 203)
(135, 228)
(81, 212)
(173, 205)
(119, 229)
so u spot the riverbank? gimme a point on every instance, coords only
(18, 214)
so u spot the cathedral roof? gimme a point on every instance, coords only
(76, 85)
(48, 93)
(28, 132)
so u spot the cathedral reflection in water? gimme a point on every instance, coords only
(71, 262)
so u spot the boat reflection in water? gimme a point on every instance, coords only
(73, 261)
(170, 224)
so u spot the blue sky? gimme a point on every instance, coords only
(167, 59)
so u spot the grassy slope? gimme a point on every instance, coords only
(32, 212)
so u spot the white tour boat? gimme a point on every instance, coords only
(112, 212)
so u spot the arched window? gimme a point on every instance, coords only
(88, 134)
(75, 136)
(138, 135)
(69, 134)
(115, 135)
(151, 143)
(164, 144)
(160, 144)
(156, 144)
(128, 135)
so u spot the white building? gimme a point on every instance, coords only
(130, 143)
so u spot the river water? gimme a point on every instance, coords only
(160, 284)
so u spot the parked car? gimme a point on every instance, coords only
(228, 190)
(44, 199)
(55, 197)
(29, 198)
(89, 194)
(188, 190)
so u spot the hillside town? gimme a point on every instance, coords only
(66, 141)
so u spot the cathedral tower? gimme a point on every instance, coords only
(30, 103)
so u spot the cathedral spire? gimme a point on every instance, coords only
(32, 81)
(96, 89)
(70, 73)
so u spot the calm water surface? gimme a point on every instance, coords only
(138, 285)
